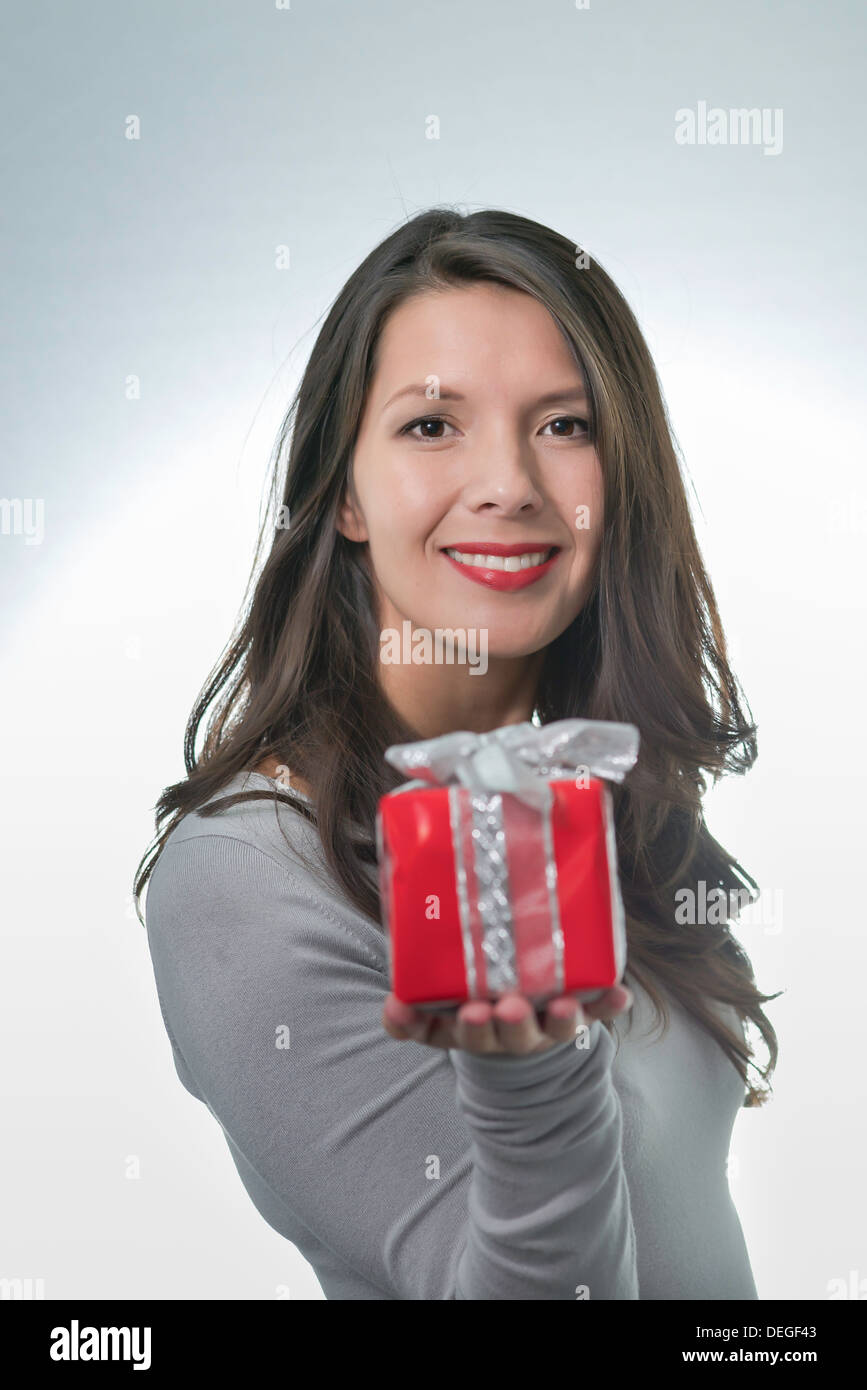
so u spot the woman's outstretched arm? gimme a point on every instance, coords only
(431, 1174)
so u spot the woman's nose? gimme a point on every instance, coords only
(503, 474)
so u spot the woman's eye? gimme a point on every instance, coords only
(432, 426)
(426, 420)
(582, 430)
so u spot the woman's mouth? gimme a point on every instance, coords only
(505, 567)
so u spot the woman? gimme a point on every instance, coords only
(477, 387)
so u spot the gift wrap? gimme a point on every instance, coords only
(498, 863)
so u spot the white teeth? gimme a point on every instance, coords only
(509, 563)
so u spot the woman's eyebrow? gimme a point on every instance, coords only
(445, 393)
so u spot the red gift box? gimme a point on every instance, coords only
(554, 921)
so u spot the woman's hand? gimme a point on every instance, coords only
(509, 1024)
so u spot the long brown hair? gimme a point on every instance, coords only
(299, 678)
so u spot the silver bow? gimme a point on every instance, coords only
(519, 758)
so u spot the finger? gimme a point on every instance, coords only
(516, 1025)
(614, 1001)
(398, 1018)
(403, 1021)
(474, 1028)
(563, 1018)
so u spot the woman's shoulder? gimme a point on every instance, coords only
(244, 834)
(256, 858)
(248, 808)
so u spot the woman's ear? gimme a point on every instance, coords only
(350, 522)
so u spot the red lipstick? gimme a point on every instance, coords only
(500, 579)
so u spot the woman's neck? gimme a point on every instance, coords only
(438, 699)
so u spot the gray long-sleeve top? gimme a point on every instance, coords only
(400, 1171)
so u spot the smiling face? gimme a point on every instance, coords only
(474, 440)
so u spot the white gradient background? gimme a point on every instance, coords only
(306, 127)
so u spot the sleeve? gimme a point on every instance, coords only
(435, 1175)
